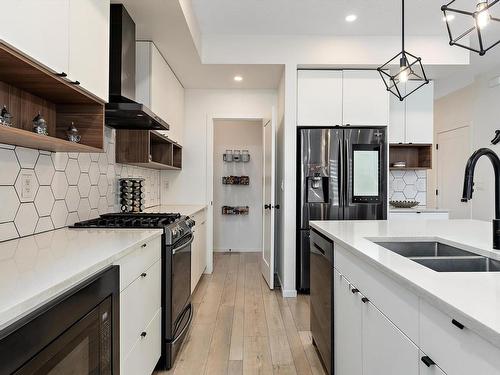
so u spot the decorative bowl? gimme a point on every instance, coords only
(404, 204)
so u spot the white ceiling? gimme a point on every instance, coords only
(307, 17)
(163, 22)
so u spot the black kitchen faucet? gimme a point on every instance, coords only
(469, 186)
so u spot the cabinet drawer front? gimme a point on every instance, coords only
(429, 370)
(146, 352)
(457, 351)
(138, 305)
(400, 306)
(133, 264)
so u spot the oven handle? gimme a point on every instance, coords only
(186, 326)
(183, 245)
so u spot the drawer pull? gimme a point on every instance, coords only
(75, 83)
(143, 334)
(365, 300)
(144, 274)
(144, 245)
(457, 324)
(62, 74)
(427, 361)
(354, 290)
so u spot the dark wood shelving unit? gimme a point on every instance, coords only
(416, 156)
(27, 87)
(149, 149)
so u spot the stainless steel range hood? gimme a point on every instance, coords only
(122, 111)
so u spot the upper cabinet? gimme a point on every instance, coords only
(334, 97)
(412, 121)
(366, 100)
(319, 98)
(158, 88)
(57, 34)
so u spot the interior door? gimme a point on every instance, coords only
(452, 154)
(269, 147)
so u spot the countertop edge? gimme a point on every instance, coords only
(480, 328)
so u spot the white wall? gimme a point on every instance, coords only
(475, 105)
(238, 232)
(280, 172)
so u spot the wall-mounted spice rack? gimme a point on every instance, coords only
(132, 194)
(236, 156)
(236, 180)
(235, 210)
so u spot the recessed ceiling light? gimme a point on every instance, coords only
(351, 18)
(238, 78)
(449, 17)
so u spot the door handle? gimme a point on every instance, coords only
(277, 207)
(267, 207)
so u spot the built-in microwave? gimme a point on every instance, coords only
(76, 333)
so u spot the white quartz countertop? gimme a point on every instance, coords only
(418, 209)
(183, 209)
(473, 298)
(36, 269)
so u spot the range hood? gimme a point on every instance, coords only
(122, 111)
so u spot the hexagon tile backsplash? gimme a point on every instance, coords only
(408, 185)
(63, 187)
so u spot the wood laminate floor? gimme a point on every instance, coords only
(242, 327)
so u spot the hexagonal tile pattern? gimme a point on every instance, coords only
(72, 218)
(59, 185)
(94, 173)
(44, 169)
(410, 191)
(72, 198)
(103, 206)
(103, 184)
(60, 160)
(398, 184)
(410, 177)
(9, 203)
(421, 184)
(9, 167)
(84, 209)
(111, 154)
(84, 162)
(8, 231)
(94, 213)
(398, 196)
(94, 156)
(94, 197)
(44, 224)
(103, 163)
(59, 214)
(422, 198)
(27, 157)
(44, 201)
(408, 185)
(26, 193)
(84, 185)
(72, 172)
(26, 219)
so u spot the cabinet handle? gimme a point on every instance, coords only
(144, 274)
(143, 334)
(62, 74)
(354, 290)
(365, 300)
(427, 361)
(457, 324)
(144, 245)
(75, 82)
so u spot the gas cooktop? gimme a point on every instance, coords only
(128, 220)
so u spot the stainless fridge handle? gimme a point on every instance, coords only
(340, 172)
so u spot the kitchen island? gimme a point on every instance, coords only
(399, 313)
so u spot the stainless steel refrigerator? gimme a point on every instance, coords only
(341, 175)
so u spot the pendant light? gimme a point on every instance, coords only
(476, 27)
(410, 68)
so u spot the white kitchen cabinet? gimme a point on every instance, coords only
(198, 248)
(319, 98)
(40, 29)
(412, 120)
(158, 88)
(386, 350)
(70, 36)
(89, 46)
(365, 99)
(429, 370)
(348, 323)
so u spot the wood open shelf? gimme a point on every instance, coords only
(149, 149)
(27, 87)
(416, 156)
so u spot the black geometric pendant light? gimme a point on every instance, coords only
(473, 24)
(410, 68)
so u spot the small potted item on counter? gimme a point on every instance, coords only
(5, 117)
(72, 134)
(40, 125)
(245, 156)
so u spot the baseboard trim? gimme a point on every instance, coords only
(290, 293)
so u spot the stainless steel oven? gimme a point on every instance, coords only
(77, 333)
(178, 313)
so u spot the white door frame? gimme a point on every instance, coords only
(210, 176)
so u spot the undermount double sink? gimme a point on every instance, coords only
(441, 257)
